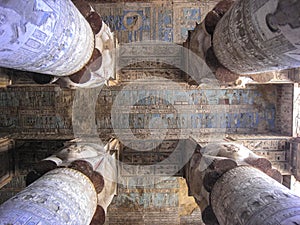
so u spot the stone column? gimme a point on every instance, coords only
(62, 196)
(49, 37)
(233, 186)
(92, 161)
(258, 36)
(245, 195)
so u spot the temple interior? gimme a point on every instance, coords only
(181, 112)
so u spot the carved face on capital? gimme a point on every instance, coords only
(227, 149)
(77, 151)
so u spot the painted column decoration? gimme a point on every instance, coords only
(92, 161)
(258, 36)
(246, 195)
(62, 196)
(41, 36)
(248, 37)
(232, 186)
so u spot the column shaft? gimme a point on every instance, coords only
(259, 35)
(62, 196)
(49, 37)
(247, 196)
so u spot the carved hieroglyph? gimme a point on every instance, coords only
(49, 37)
